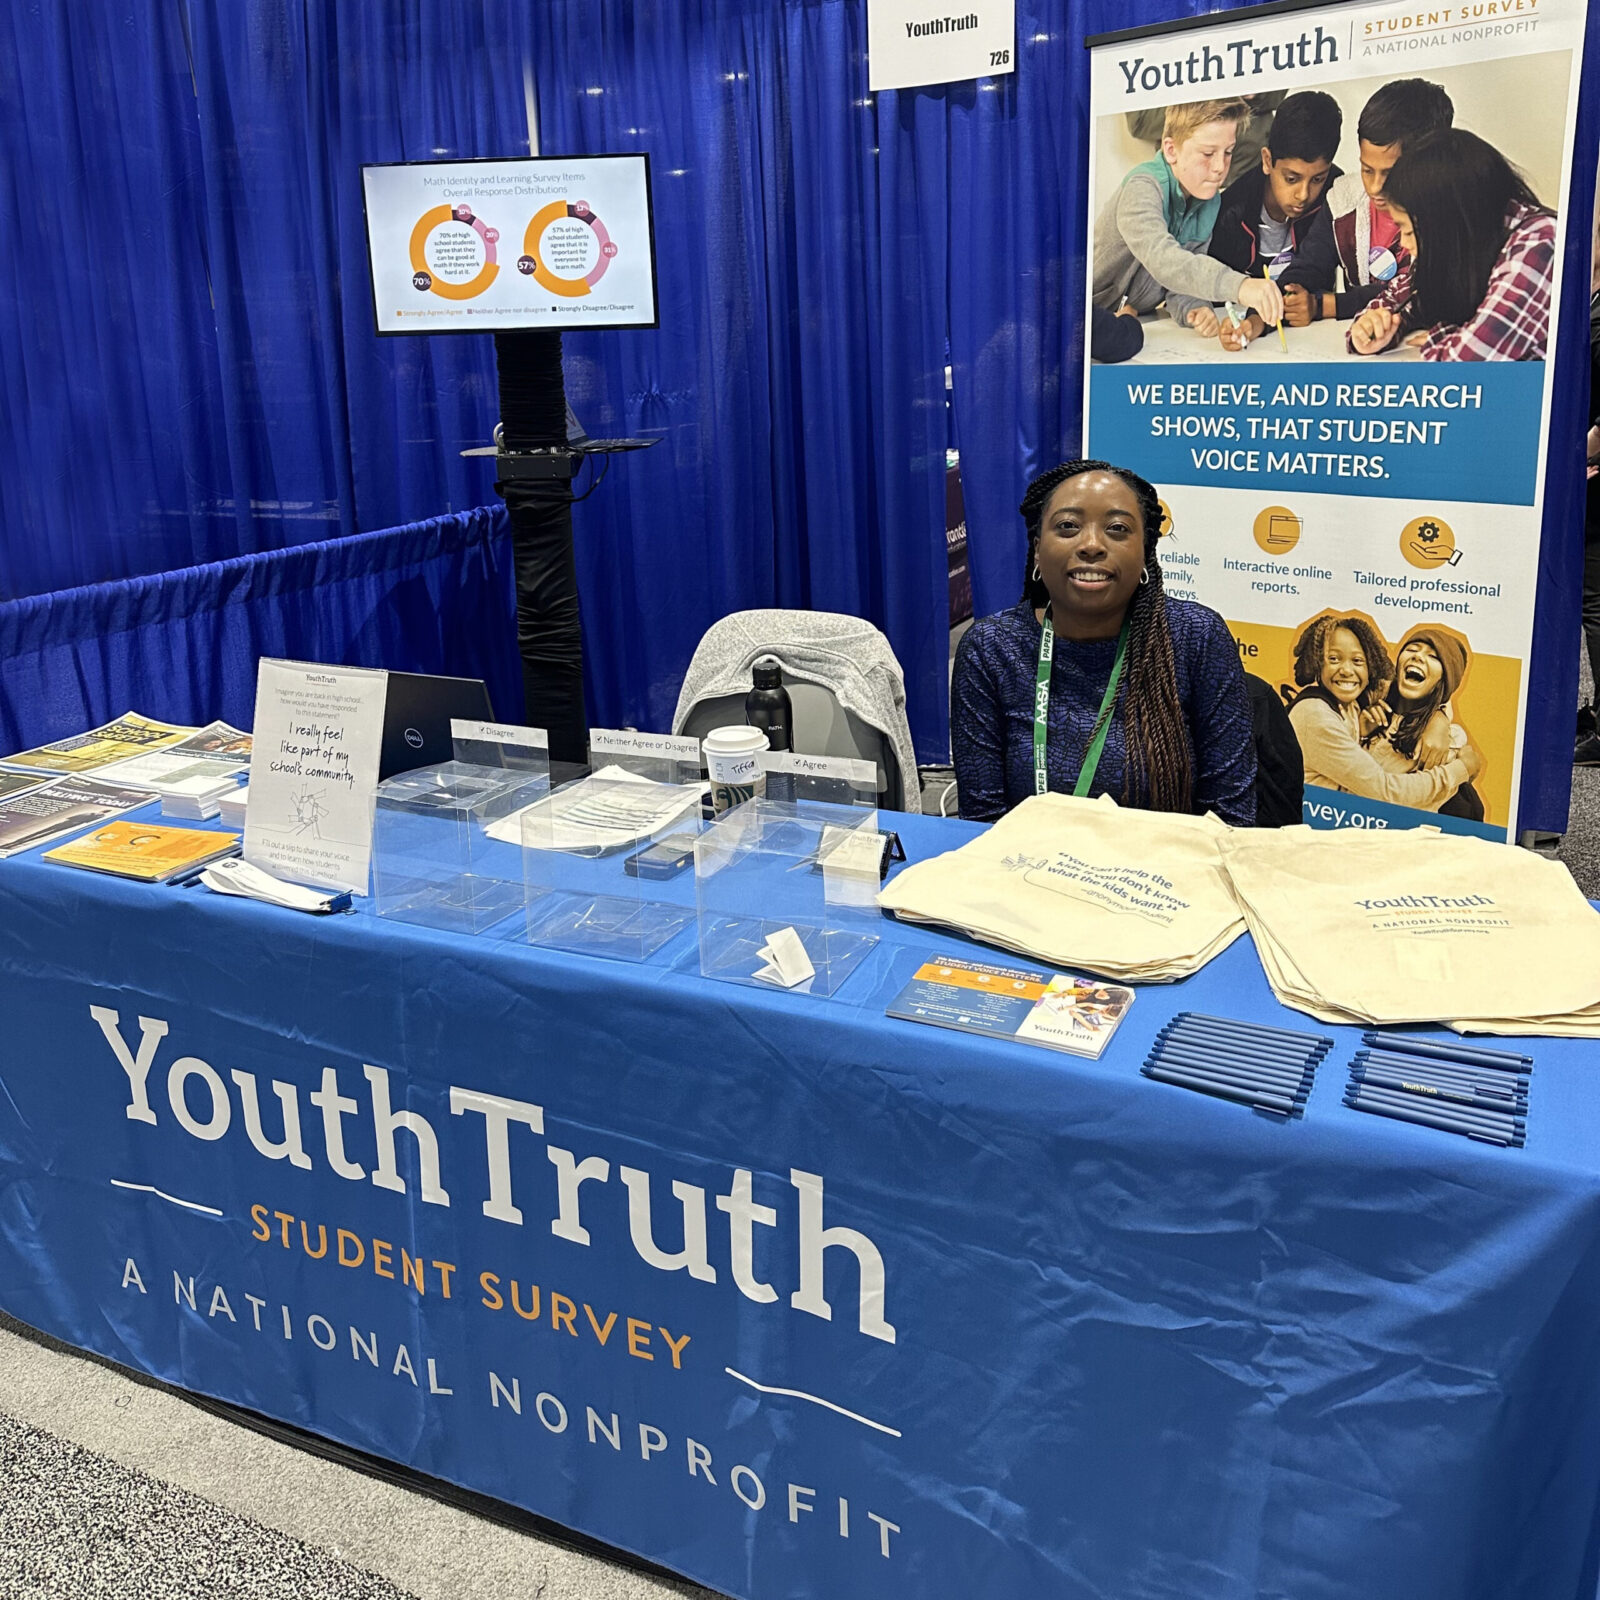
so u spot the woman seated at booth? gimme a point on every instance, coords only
(1098, 682)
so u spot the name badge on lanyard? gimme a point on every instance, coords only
(1041, 711)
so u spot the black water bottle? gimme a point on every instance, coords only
(767, 705)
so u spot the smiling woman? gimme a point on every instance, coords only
(1097, 682)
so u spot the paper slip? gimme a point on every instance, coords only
(313, 771)
(231, 807)
(238, 877)
(785, 958)
(607, 811)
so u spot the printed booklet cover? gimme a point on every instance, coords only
(145, 850)
(1054, 1009)
(46, 813)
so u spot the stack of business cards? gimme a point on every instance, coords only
(1268, 1069)
(231, 807)
(197, 797)
(1436, 1083)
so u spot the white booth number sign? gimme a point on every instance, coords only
(915, 42)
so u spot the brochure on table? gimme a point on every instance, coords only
(1056, 1009)
(314, 771)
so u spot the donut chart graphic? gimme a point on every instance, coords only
(436, 218)
(532, 261)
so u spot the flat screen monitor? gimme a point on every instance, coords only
(485, 246)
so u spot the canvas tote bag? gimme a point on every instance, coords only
(1138, 896)
(1415, 925)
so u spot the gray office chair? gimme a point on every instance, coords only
(845, 684)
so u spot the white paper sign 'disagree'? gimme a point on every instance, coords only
(916, 42)
(313, 772)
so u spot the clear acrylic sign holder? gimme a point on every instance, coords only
(835, 780)
(808, 867)
(594, 882)
(435, 861)
(502, 745)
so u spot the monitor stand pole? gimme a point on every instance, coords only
(535, 468)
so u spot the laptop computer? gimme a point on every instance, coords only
(417, 716)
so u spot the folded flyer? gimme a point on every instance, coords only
(1054, 1009)
(61, 807)
(147, 851)
(129, 735)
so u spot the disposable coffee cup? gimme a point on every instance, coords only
(733, 763)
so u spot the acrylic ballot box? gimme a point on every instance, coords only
(436, 857)
(607, 864)
(773, 874)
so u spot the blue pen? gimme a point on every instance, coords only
(1432, 1091)
(1244, 1036)
(1458, 1069)
(1210, 1055)
(1217, 1039)
(1506, 1059)
(1431, 1080)
(1273, 1084)
(1504, 1109)
(1239, 1024)
(1495, 1121)
(1489, 1077)
(1425, 1117)
(1282, 1105)
(1231, 1049)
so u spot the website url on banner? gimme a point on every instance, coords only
(816, 1400)
(150, 1188)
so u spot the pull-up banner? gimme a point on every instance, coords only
(1358, 488)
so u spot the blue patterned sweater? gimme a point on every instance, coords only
(991, 713)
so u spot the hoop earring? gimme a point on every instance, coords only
(1035, 575)
(1144, 575)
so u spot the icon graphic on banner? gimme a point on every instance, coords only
(441, 262)
(559, 244)
(1429, 542)
(1166, 529)
(1277, 530)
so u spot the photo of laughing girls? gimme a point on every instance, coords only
(1379, 726)
(1482, 257)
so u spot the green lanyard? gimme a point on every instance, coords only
(1041, 711)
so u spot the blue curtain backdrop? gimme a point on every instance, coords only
(1018, 160)
(206, 382)
(182, 646)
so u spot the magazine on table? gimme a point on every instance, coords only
(20, 782)
(63, 806)
(129, 735)
(1055, 1009)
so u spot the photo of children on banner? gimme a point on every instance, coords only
(1381, 726)
(1295, 239)
(1274, 220)
(1151, 240)
(1481, 251)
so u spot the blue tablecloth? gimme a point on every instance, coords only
(791, 1297)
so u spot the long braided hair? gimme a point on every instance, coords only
(1159, 775)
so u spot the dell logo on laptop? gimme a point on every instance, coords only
(413, 738)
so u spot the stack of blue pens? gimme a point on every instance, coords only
(1460, 1088)
(1269, 1069)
